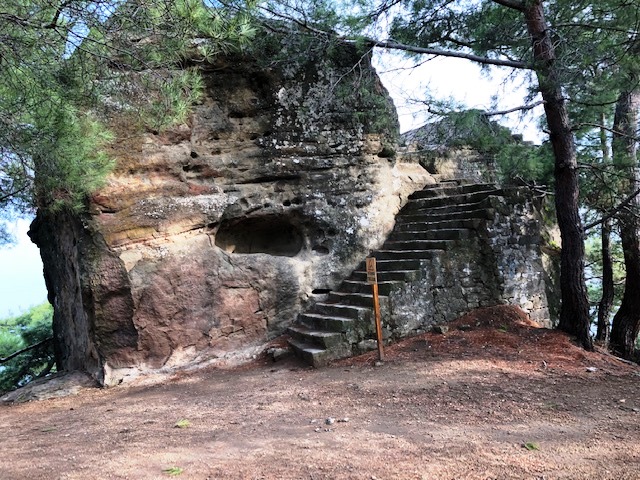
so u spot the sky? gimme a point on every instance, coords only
(462, 81)
(21, 281)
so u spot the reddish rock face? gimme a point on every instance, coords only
(210, 238)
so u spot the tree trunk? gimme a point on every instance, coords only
(626, 322)
(574, 312)
(608, 291)
(606, 301)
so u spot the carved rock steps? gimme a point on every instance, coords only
(435, 219)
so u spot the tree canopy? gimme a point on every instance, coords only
(26, 350)
(66, 65)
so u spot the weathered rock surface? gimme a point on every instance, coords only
(455, 247)
(54, 386)
(211, 237)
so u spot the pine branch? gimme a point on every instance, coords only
(391, 45)
(608, 129)
(521, 108)
(520, 6)
(24, 350)
(54, 21)
(613, 212)
(9, 195)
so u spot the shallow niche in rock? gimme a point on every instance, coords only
(320, 249)
(270, 234)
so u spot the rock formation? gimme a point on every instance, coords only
(210, 237)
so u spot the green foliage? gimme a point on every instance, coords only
(68, 67)
(593, 258)
(527, 162)
(19, 332)
(69, 159)
(514, 159)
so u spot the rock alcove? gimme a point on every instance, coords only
(270, 234)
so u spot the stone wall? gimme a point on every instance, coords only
(446, 163)
(514, 235)
(502, 263)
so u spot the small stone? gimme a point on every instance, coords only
(318, 429)
(378, 364)
(343, 420)
(277, 353)
(592, 369)
(330, 421)
(622, 400)
(440, 329)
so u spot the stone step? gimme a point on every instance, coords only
(386, 276)
(441, 234)
(486, 202)
(386, 265)
(317, 356)
(353, 312)
(309, 353)
(450, 182)
(465, 223)
(451, 190)
(322, 338)
(356, 299)
(397, 255)
(326, 322)
(437, 216)
(412, 245)
(357, 286)
(449, 201)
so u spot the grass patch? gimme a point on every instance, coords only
(184, 423)
(173, 471)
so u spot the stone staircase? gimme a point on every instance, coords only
(435, 220)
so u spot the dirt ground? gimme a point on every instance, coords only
(497, 399)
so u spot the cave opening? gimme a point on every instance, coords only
(271, 234)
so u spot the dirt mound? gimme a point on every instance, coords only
(500, 333)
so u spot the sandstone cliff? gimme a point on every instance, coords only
(210, 237)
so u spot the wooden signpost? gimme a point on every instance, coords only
(372, 278)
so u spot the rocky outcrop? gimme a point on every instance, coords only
(209, 238)
(455, 247)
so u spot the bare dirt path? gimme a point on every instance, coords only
(464, 405)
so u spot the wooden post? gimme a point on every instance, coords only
(372, 278)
